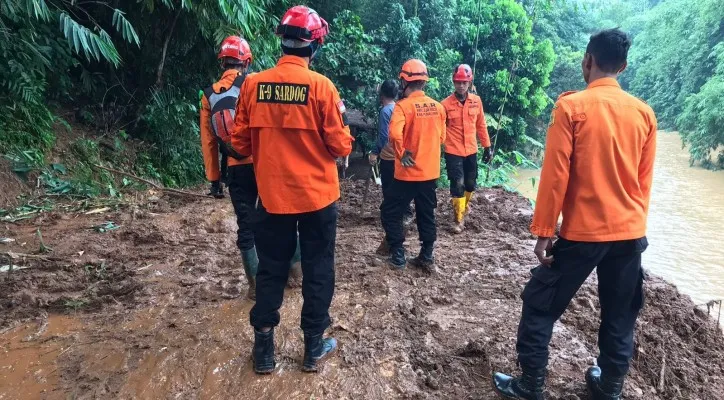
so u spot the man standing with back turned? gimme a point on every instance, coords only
(417, 130)
(597, 171)
(293, 121)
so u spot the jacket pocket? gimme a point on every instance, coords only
(540, 292)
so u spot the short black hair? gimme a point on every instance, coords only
(388, 89)
(609, 49)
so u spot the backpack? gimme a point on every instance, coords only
(223, 111)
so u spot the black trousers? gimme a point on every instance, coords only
(276, 241)
(620, 291)
(387, 175)
(462, 173)
(243, 193)
(224, 167)
(397, 198)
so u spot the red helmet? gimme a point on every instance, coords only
(462, 73)
(235, 48)
(303, 23)
(414, 70)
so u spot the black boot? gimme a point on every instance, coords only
(263, 354)
(603, 387)
(216, 190)
(397, 257)
(529, 386)
(315, 350)
(425, 259)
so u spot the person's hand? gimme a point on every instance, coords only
(487, 155)
(373, 159)
(542, 250)
(407, 160)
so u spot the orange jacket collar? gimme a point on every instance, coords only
(604, 82)
(293, 60)
(417, 93)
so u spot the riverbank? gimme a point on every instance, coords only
(151, 310)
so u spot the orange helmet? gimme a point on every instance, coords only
(414, 70)
(235, 48)
(462, 73)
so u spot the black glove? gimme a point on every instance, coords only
(216, 190)
(487, 155)
(407, 160)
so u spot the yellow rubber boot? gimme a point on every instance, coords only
(468, 196)
(459, 211)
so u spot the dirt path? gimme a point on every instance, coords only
(151, 311)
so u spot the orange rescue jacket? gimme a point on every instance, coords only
(598, 166)
(418, 125)
(209, 144)
(464, 121)
(292, 120)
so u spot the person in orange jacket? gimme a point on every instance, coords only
(218, 108)
(218, 105)
(417, 131)
(597, 172)
(293, 122)
(465, 121)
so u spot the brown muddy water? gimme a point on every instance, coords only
(686, 221)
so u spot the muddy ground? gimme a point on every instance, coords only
(151, 310)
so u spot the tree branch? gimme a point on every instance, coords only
(154, 185)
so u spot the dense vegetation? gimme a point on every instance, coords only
(133, 69)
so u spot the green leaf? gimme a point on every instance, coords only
(59, 168)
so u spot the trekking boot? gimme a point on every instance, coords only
(468, 196)
(383, 249)
(425, 259)
(397, 258)
(263, 353)
(603, 387)
(216, 190)
(459, 214)
(529, 386)
(316, 349)
(251, 263)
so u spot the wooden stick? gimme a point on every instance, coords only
(662, 374)
(154, 185)
(15, 256)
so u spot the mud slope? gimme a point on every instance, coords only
(151, 311)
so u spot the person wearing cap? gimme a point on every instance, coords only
(417, 131)
(465, 125)
(293, 122)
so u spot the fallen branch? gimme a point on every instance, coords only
(154, 185)
(662, 375)
(16, 256)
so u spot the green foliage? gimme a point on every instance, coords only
(502, 170)
(680, 76)
(352, 61)
(172, 131)
(701, 124)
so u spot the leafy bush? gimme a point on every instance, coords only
(172, 133)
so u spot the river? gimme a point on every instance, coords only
(686, 221)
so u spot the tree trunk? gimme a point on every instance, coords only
(159, 71)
